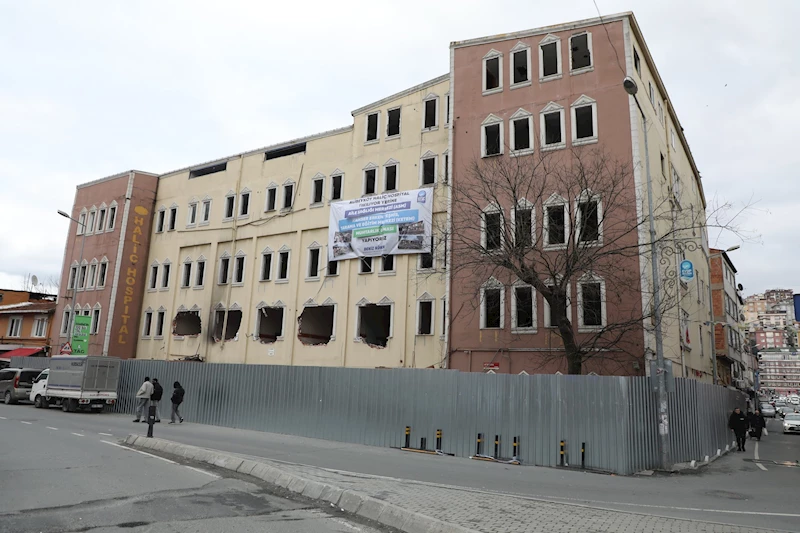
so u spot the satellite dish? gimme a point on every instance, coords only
(740, 287)
(34, 281)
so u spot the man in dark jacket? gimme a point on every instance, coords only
(177, 400)
(738, 423)
(757, 424)
(155, 398)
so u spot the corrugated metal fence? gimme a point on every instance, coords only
(614, 416)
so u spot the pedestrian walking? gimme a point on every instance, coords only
(757, 424)
(738, 423)
(177, 400)
(155, 398)
(143, 399)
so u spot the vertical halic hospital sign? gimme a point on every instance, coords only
(132, 273)
(385, 224)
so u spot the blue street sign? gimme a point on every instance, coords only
(687, 271)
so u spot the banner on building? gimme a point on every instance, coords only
(80, 335)
(384, 224)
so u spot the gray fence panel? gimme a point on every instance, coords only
(39, 363)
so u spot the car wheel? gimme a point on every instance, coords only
(7, 398)
(65, 405)
(37, 402)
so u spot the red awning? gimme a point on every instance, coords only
(23, 352)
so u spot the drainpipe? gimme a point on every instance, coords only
(232, 266)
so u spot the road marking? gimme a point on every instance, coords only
(78, 434)
(106, 434)
(29, 423)
(138, 451)
(202, 471)
(3, 418)
(755, 456)
(54, 429)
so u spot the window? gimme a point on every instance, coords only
(186, 278)
(92, 274)
(82, 277)
(153, 276)
(637, 63)
(272, 194)
(549, 58)
(224, 267)
(372, 127)
(387, 263)
(520, 65)
(550, 319)
(393, 122)
(14, 326)
(431, 119)
(165, 271)
(147, 323)
(584, 120)
(676, 187)
(65, 319)
(200, 276)
(589, 220)
(581, 52)
(552, 125)
(160, 323)
(230, 201)
(446, 167)
(206, 212)
(90, 224)
(590, 302)
(288, 195)
(112, 217)
(428, 169)
(370, 179)
(82, 224)
(365, 265)
(162, 213)
(492, 72)
(521, 133)
(95, 325)
(39, 329)
(336, 187)
(492, 136)
(333, 268)
(266, 266)
(652, 93)
(523, 312)
(269, 323)
(663, 166)
(672, 138)
(390, 177)
(313, 264)
(101, 219)
(492, 230)
(173, 218)
(447, 110)
(492, 300)
(374, 323)
(426, 261)
(73, 276)
(192, 218)
(317, 190)
(283, 266)
(238, 269)
(425, 317)
(660, 113)
(244, 203)
(523, 225)
(555, 228)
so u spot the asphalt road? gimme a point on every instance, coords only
(732, 490)
(72, 477)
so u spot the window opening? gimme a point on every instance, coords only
(374, 324)
(315, 325)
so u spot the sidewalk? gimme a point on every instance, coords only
(419, 507)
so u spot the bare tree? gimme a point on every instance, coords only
(48, 285)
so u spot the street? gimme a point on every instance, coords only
(733, 490)
(62, 473)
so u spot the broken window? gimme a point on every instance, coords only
(390, 178)
(238, 269)
(393, 125)
(336, 187)
(491, 229)
(200, 277)
(372, 127)
(224, 266)
(313, 263)
(556, 228)
(492, 69)
(316, 195)
(315, 325)
(591, 304)
(173, 217)
(186, 323)
(552, 128)
(272, 194)
(426, 259)
(244, 204)
(374, 324)
(160, 324)
(387, 263)
(283, 266)
(581, 54)
(266, 266)
(549, 59)
(429, 171)
(333, 268)
(589, 221)
(492, 308)
(365, 265)
(520, 66)
(523, 226)
(288, 195)
(584, 122)
(425, 317)
(523, 301)
(231, 324)
(229, 203)
(522, 134)
(270, 324)
(165, 271)
(491, 139)
(431, 113)
(186, 279)
(663, 166)
(160, 222)
(153, 276)
(369, 180)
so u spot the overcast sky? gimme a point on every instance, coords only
(93, 88)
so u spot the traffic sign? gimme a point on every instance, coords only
(687, 270)
(66, 349)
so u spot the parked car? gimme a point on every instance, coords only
(791, 423)
(767, 410)
(795, 400)
(16, 383)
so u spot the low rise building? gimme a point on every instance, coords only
(25, 321)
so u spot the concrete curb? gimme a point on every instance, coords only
(349, 500)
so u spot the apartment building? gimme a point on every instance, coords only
(780, 371)
(239, 269)
(553, 97)
(734, 364)
(25, 321)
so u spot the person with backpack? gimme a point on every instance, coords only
(177, 400)
(155, 398)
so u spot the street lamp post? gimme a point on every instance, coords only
(711, 310)
(661, 377)
(77, 275)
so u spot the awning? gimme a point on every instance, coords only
(23, 352)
